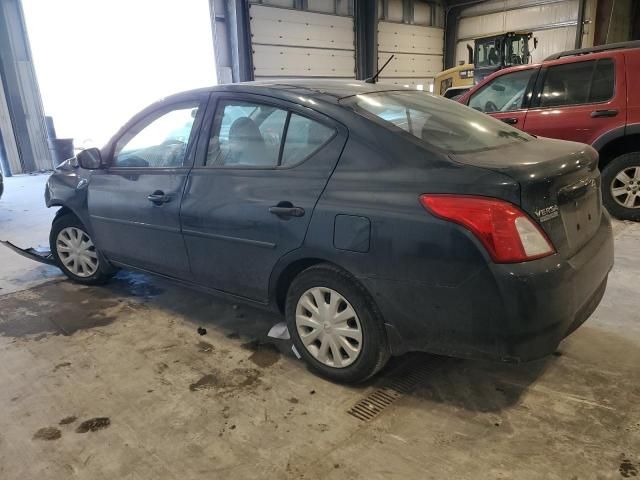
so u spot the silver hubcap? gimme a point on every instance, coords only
(625, 187)
(77, 252)
(329, 327)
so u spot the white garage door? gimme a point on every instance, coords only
(553, 23)
(293, 43)
(417, 53)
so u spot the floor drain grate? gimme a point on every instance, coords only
(402, 382)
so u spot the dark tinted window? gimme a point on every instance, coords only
(578, 83)
(503, 94)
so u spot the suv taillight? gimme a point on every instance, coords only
(508, 234)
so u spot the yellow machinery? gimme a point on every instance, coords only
(456, 80)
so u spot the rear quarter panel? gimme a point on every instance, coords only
(415, 262)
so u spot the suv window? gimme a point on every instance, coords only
(247, 134)
(158, 142)
(505, 93)
(577, 83)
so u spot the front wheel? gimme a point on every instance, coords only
(76, 254)
(621, 186)
(335, 325)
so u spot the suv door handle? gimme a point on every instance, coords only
(604, 113)
(286, 209)
(510, 120)
(158, 197)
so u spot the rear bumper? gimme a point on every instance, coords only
(509, 312)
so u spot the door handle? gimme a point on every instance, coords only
(158, 197)
(604, 113)
(286, 209)
(510, 120)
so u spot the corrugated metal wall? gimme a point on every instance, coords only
(418, 53)
(294, 43)
(552, 22)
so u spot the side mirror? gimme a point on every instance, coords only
(90, 159)
(497, 87)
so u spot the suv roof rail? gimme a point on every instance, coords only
(599, 48)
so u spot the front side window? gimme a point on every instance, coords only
(503, 94)
(160, 143)
(442, 123)
(247, 134)
(578, 83)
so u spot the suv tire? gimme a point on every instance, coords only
(618, 188)
(75, 253)
(328, 305)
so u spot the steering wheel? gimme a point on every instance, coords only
(490, 107)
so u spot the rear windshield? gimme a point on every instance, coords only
(445, 124)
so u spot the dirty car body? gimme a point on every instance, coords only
(370, 198)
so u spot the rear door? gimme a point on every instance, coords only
(506, 97)
(579, 101)
(134, 203)
(261, 168)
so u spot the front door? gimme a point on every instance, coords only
(252, 192)
(506, 97)
(134, 203)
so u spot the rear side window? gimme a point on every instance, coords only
(304, 136)
(247, 134)
(437, 121)
(505, 93)
(578, 83)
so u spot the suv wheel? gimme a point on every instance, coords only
(621, 186)
(75, 253)
(335, 325)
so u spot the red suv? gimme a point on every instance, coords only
(591, 96)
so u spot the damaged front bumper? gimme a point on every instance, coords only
(42, 255)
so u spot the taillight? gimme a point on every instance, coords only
(506, 232)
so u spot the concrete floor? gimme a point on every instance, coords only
(115, 383)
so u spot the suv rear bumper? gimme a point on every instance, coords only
(508, 312)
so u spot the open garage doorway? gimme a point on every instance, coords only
(98, 63)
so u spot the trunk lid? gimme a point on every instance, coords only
(559, 186)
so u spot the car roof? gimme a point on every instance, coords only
(330, 90)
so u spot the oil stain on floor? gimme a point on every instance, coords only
(47, 433)
(264, 354)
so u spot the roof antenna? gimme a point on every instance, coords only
(375, 77)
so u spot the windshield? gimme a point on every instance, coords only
(445, 124)
(488, 53)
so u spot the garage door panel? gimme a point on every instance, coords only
(405, 65)
(279, 26)
(393, 37)
(275, 61)
(529, 18)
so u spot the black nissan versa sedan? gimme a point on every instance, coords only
(380, 220)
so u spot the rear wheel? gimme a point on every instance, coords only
(621, 186)
(335, 325)
(76, 254)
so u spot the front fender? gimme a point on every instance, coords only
(68, 188)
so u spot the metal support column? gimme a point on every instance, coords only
(21, 93)
(366, 24)
(230, 23)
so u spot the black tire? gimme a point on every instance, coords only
(613, 168)
(104, 271)
(374, 352)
